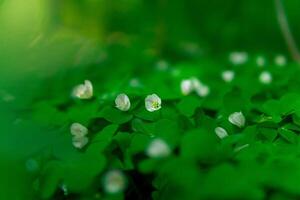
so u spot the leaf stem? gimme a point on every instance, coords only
(286, 32)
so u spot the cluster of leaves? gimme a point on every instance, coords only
(258, 161)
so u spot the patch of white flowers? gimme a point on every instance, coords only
(153, 103)
(194, 85)
(238, 58)
(221, 132)
(228, 75)
(122, 102)
(83, 91)
(158, 148)
(79, 133)
(238, 119)
(114, 182)
(265, 77)
(280, 60)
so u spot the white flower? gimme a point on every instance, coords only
(83, 91)
(158, 148)
(79, 133)
(186, 86)
(78, 130)
(114, 182)
(221, 132)
(152, 103)
(260, 61)
(201, 89)
(228, 76)
(265, 77)
(194, 84)
(80, 142)
(280, 60)
(122, 102)
(237, 119)
(238, 58)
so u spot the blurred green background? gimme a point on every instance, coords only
(40, 37)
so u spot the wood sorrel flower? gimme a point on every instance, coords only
(238, 58)
(186, 86)
(280, 60)
(122, 102)
(228, 75)
(221, 132)
(114, 182)
(265, 77)
(237, 118)
(158, 148)
(78, 130)
(152, 103)
(79, 133)
(201, 89)
(83, 91)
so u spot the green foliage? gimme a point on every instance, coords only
(257, 161)
(122, 50)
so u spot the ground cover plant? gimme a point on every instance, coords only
(234, 135)
(152, 110)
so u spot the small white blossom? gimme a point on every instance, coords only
(228, 75)
(158, 148)
(186, 86)
(79, 133)
(221, 132)
(122, 102)
(114, 182)
(80, 142)
(280, 60)
(237, 119)
(78, 130)
(201, 89)
(238, 58)
(265, 77)
(152, 103)
(83, 91)
(260, 61)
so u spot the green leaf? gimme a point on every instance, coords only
(188, 105)
(268, 133)
(102, 139)
(200, 145)
(288, 135)
(114, 115)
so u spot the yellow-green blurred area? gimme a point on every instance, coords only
(39, 38)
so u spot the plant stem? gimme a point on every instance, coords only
(286, 32)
